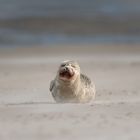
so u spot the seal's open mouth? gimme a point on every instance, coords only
(66, 74)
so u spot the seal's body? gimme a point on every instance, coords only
(70, 85)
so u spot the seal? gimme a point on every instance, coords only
(70, 85)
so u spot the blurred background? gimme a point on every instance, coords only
(42, 22)
(103, 36)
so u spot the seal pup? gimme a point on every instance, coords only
(70, 85)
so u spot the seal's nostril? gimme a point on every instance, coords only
(65, 69)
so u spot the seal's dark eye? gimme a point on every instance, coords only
(63, 65)
(73, 66)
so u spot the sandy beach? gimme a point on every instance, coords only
(29, 112)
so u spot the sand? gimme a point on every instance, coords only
(28, 111)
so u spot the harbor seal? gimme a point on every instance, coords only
(70, 85)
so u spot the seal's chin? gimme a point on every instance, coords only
(66, 74)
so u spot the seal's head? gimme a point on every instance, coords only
(68, 71)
